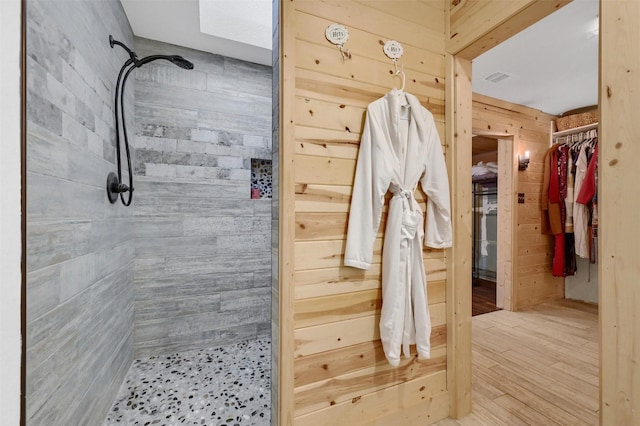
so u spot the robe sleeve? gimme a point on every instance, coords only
(435, 183)
(367, 199)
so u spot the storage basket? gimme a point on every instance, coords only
(577, 120)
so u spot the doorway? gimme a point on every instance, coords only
(493, 210)
(494, 184)
(485, 227)
(461, 71)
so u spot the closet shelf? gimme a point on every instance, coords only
(575, 130)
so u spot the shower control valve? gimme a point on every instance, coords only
(114, 187)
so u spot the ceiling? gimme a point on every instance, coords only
(236, 28)
(551, 66)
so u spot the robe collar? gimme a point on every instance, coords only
(395, 98)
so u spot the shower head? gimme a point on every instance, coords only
(182, 62)
(178, 60)
(114, 182)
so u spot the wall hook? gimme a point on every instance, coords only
(399, 72)
(344, 53)
(338, 34)
(394, 51)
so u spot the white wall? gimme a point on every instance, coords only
(584, 284)
(10, 242)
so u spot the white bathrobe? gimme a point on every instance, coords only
(399, 147)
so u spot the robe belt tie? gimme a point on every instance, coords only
(410, 214)
(402, 193)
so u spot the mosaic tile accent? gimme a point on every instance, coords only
(261, 178)
(228, 386)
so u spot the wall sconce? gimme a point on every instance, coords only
(523, 162)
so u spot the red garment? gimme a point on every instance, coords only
(588, 189)
(558, 191)
(551, 218)
(555, 203)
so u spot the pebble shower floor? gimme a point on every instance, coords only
(228, 386)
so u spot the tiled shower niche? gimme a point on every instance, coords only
(261, 179)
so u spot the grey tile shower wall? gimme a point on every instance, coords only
(203, 246)
(80, 248)
(275, 209)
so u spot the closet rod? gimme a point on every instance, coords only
(575, 130)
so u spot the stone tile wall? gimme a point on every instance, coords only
(80, 250)
(275, 209)
(203, 246)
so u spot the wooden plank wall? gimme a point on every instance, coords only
(618, 204)
(340, 373)
(458, 150)
(530, 128)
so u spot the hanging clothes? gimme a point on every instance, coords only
(580, 211)
(570, 266)
(588, 196)
(569, 201)
(551, 216)
(557, 195)
(588, 189)
(399, 148)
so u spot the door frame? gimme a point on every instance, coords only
(507, 208)
(459, 130)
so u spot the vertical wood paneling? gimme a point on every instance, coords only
(507, 183)
(459, 140)
(532, 282)
(618, 207)
(286, 205)
(330, 334)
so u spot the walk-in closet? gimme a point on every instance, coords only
(484, 176)
(535, 294)
(572, 174)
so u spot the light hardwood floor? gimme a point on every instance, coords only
(535, 367)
